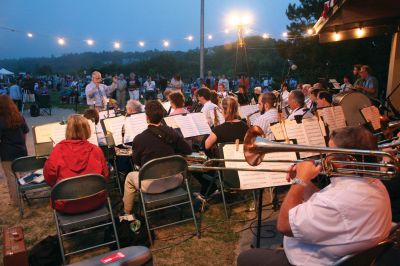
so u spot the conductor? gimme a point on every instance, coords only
(96, 93)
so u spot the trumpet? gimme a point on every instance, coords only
(255, 148)
(392, 144)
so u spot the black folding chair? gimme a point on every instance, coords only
(44, 103)
(22, 166)
(161, 168)
(75, 188)
(366, 257)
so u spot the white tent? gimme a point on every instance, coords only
(5, 72)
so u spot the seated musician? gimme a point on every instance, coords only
(93, 115)
(72, 157)
(297, 105)
(306, 89)
(348, 216)
(269, 114)
(177, 101)
(233, 128)
(204, 97)
(155, 142)
(324, 99)
(256, 95)
(196, 105)
(133, 107)
(243, 98)
(313, 97)
(221, 90)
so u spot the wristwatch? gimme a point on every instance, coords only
(298, 181)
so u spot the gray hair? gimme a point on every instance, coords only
(298, 97)
(135, 105)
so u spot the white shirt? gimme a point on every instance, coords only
(264, 121)
(350, 215)
(225, 82)
(285, 98)
(97, 94)
(207, 108)
(149, 85)
(300, 111)
(15, 92)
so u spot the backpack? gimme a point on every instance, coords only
(34, 110)
(46, 253)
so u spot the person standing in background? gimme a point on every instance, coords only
(133, 87)
(121, 90)
(16, 94)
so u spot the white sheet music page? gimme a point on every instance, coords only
(170, 121)
(187, 125)
(93, 135)
(277, 131)
(245, 110)
(339, 116)
(134, 125)
(201, 123)
(44, 132)
(313, 132)
(58, 134)
(166, 105)
(114, 125)
(297, 132)
(328, 117)
(104, 114)
(371, 114)
(253, 180)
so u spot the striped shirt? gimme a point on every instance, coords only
(264, 121)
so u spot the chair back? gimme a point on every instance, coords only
(163, 167)
(43, 100)
(230, 178)
(366, 257)
(78, 187)
(27, 164)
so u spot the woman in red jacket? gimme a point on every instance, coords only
(72, 157)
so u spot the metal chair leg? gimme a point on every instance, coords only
(60, 241)
(113, 222)
(145, 217)
(223, 195)
(21, 202)
(192, 208)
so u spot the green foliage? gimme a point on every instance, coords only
(303, 15)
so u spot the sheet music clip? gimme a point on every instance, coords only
(237, 144)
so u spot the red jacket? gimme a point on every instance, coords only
(71, 158)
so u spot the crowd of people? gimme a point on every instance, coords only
(320, 226)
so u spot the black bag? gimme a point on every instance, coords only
(34, 110)
(129, 238)
(46, 253)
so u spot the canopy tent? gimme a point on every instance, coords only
(355, 19)
(5, 72)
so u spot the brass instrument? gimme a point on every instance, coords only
(248, 121)
(255, 147)
(392, 144)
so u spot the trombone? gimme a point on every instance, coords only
(255, 147)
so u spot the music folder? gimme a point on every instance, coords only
(371, 115)
(251, 179)
(333, 117)
(42, 140)
(191, 125)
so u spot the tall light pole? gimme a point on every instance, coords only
(202, 39)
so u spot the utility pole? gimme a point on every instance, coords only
(202, 39)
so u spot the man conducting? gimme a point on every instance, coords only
(96, 93)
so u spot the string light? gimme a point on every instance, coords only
(29, 34)
(336, 36)
(360, 32)
(265, 36)
(166, 44)
(285, 34)
(209, 36)
(141, 43)
(117, 45)
(61, 41)
(226, 31)
(90, 42)
(189, 38)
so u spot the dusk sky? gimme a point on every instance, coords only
(128, 22)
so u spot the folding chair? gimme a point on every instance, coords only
(366, 257)
(229, 182)
(23, 165)
(160, 168)
(111, 156)
(74, 189)
(43, 102)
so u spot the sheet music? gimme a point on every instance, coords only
(44, 132)
(134, 125)
(333, 117)
(245, 110)
(253, 180)
(114, 125)
(191, 125)
(371, 114)
(58, 134)
(103, 114)
(166, 105)
(170, 121)
(277, 131)
(307, 133)
(201, 123)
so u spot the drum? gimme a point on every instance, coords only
(352, 103)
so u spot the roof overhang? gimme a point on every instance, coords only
(355, 19)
